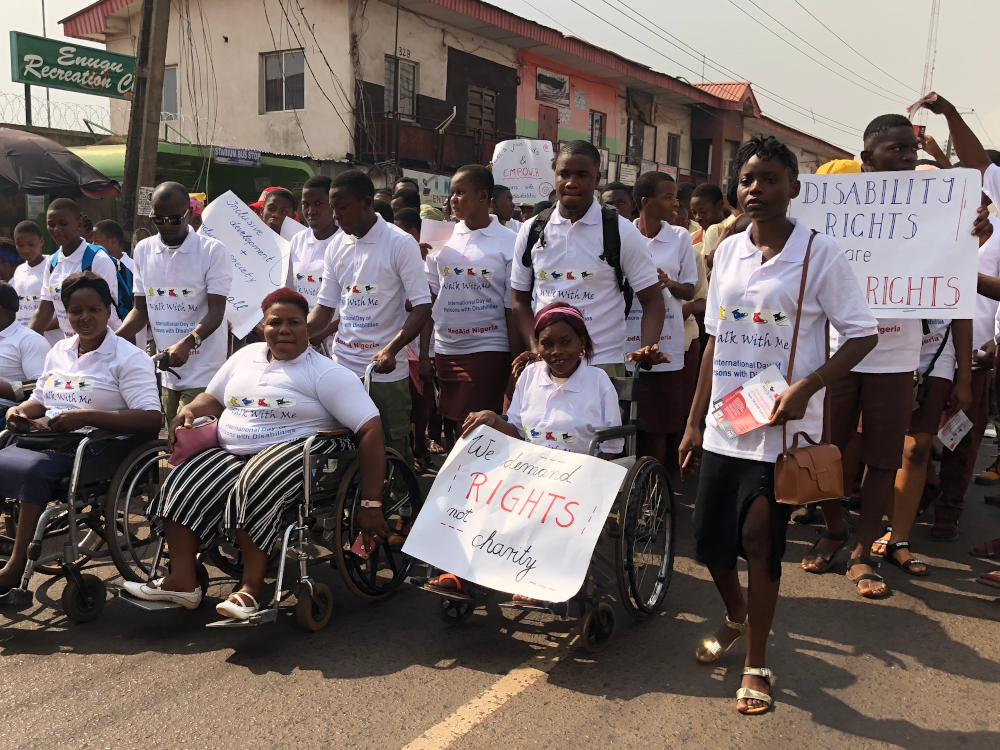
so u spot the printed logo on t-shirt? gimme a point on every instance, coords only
(483, 273)
(360, 288)
(566, 275)
(256, 402)
(758, 316)
(69, 383)
(310, 278)
(165, 292)
(553, 436)
(29, 297)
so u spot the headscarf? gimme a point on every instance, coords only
(840, 166)
(555, 312)
(197, 202)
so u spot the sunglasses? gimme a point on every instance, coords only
(174, 220)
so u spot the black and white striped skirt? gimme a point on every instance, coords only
(249, 492)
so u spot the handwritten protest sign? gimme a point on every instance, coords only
(526, 168)
(435, 233)
(515, 517)
(259, 257)
(290, 228)
(907, 236)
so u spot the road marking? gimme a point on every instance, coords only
(475, 711)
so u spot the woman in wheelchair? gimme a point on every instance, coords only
(92, 380)
(268, 399)
(560, 401)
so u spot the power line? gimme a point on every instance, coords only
(846, 44)
(985, 131)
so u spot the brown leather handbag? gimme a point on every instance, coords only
(812, 472)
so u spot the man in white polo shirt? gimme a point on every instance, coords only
(308, 249)
(571, 262)
(371, 270)
(65, 225)
(182, 280)
(22, 351)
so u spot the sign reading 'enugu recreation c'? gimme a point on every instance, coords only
(38, 61)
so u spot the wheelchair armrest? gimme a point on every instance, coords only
(100, 436)
(610, 433)
(333, 433)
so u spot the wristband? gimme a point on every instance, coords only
(371, 503)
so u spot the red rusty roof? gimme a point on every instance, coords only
(90, 22)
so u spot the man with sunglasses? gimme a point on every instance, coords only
(182, 280)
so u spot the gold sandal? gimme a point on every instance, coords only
(751, 694)
(714, 649)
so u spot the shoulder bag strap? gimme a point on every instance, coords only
(795, 333)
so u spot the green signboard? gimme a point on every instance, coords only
(38, 61)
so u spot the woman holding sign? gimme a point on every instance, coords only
(760, 279)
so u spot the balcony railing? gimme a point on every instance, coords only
(387, 137)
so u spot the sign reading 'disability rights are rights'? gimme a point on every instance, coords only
(56, 64)
(907, 235)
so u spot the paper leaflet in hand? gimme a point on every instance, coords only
(953, 430)
(435, 233)
(749, 406)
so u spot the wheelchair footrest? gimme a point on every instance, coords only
(125, 596)
(259, 618)
(17, 598)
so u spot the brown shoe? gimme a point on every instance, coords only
(991, 476)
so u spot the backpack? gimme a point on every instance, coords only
(612, 254)
(126, 300)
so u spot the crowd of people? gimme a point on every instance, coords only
(526, 312)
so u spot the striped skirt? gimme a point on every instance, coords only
(248, 492)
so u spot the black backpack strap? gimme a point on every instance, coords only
(536, 235)
(941, 346)
(613, 253)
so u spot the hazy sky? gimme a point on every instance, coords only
(891, 34)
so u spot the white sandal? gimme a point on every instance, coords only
(712, 646)
(236, 609)
(751, 694)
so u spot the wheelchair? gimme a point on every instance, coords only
(327, 513)
(72, 531)
(634, 553)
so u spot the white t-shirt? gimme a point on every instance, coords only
(308, 255)
(565, 417)
(471, 277)
(931, 342)
(369, 280)
(22, 356)
(114, 376)
(275, 402)
(983, 325)
(513, 225)
(176, 288)
(569, 268)
(742, 290)
(991, 183)
(52, 278)
(27, 282)
(897, 350)
(672, 253)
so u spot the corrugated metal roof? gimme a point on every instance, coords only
(731, 92)
(90, 21)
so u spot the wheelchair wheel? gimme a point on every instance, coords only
(387, 567)
(314, 612)
(454, 612)
(597, 628)
(644, 553)
(127, 531)
(74, 600)
(90, 542)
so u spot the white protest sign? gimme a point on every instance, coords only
(259, 257)
(435, 233)
(290, 228)
(515, 517)
(526, 168)
(434, 188)
(907, 235)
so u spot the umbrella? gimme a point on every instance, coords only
(36, 165)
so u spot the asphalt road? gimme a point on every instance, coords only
(918, 670)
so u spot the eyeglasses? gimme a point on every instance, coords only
(174, 220)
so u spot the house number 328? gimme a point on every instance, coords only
(403, 52)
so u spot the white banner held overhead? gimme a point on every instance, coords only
(515, 517)
(907, 235)
(259, 257)
(525, 167)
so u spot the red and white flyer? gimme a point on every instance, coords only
(750, 405)
(953, 430)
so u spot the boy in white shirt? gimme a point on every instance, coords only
(182, 280)
(502, 205)
(570, 262)
(371, 270)
(661, 392)
(22, 351)
(308, 248)
(28, 277)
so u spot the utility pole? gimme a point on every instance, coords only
(144, 118)
(48, 101)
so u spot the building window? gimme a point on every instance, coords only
(729, 164)
(597, 128)
(284, 81)
(481, 112)
(407, 87)
(168, 106)
(673, 150)
(635, 146)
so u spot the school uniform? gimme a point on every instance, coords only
(27, 282)
(470, 277)
(176, 285)
(513, 225)
(22, 356)
(271, 408)
(565, 417)
(957, 466)
(113, 377)
(752, 313)
(661, 390)
(692, 340)
(66, 265)
(569, 268)
(368, 279)
(308, 255)
(937, 365)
